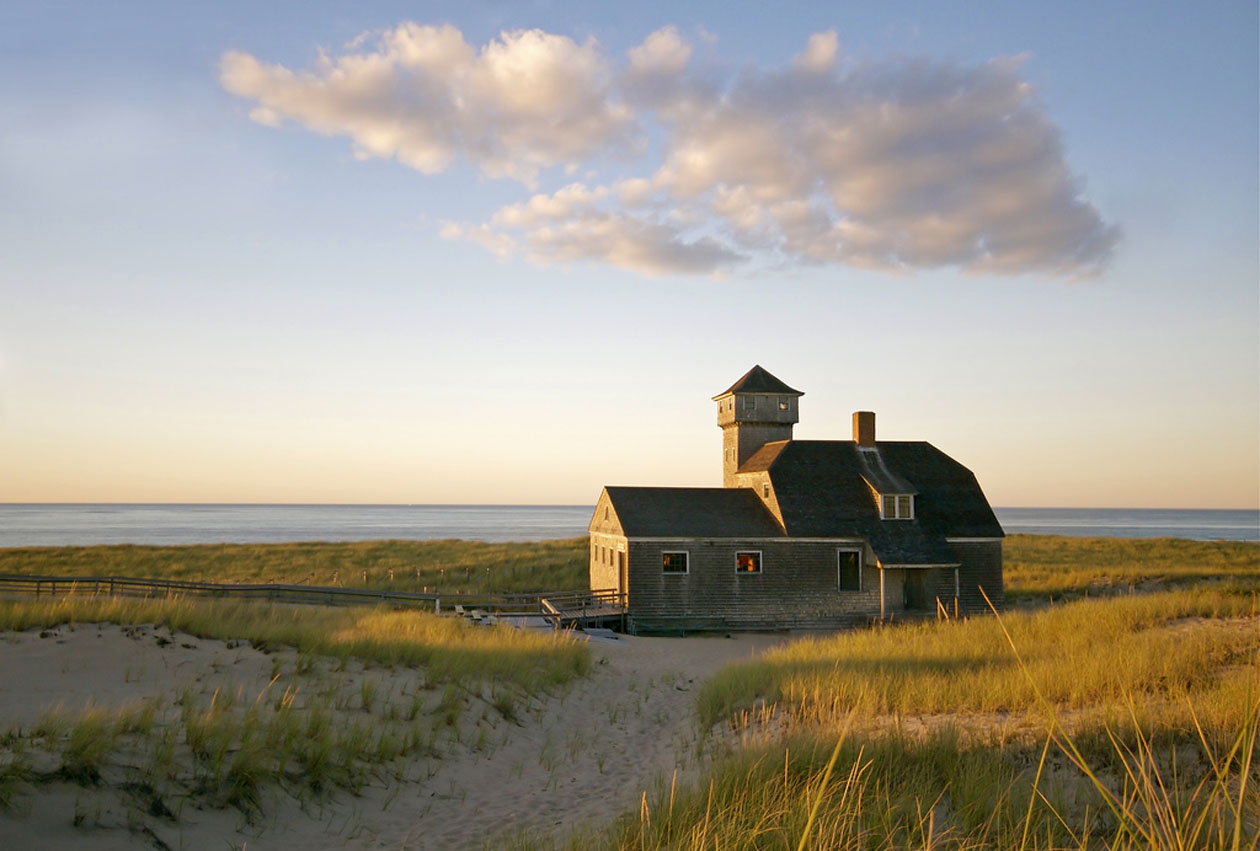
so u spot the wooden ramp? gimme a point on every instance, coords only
(603, 608)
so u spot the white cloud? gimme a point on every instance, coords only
(820, 52)
(526, 101)
(662, 52)
(896, 165)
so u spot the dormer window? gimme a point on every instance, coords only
(896, 506)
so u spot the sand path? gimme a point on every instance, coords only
(569, 761)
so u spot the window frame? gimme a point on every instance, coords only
(896, 499)
(839, 584)
(758, 561)
(686, 554)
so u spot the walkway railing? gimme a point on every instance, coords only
(122, 586)
(576, 607)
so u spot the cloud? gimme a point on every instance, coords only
(526, 101)
(578, 223)
(900, 164)
(820, 52)
(664, 51)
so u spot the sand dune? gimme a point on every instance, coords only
(568, 761)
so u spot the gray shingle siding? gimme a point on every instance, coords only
(796, 501)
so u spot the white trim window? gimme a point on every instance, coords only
(748, 561)
(675, 561)
(896, 506)
(849, 570)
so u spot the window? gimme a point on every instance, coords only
(896, 507)
(674, 562)
(747, 402)
(749, 562)
(765, 490)
(783, 403)
(849, 570)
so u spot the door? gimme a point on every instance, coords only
(916, 590)
(623, 579)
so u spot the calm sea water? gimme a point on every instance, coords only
(63, 524)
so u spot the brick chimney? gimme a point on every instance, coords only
(864, 428)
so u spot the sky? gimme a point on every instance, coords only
(506, 253)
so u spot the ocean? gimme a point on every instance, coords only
(32, 525)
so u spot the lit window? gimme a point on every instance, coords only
(783, 403)
(849, 572)
(748, 562)
(674, 562)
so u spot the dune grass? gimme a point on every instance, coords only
(1123, 723)
(434, 566)
(325, 721)
(1045, 567)
(841, 791)
(449, 649)
(1080, 654)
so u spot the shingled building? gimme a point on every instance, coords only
(820, 533)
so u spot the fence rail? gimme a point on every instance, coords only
(123, 586)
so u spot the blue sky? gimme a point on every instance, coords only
(514, 271)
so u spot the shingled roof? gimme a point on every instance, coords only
(692, 513)
(822, 493)
(757, 380)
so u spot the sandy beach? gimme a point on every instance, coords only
(564, 762)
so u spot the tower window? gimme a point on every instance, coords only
(765, 490)
(783, 403)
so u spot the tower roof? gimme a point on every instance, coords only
(757, 380)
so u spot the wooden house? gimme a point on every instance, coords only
(804, 533)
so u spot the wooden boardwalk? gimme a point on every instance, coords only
(584, 608)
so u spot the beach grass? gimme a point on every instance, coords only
(1129, 722)
(1040, 568)
(449, 649)
(355, 696)
(446, 566)
(838, 790)
(1084, 653)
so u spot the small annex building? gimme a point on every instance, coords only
(803, 533)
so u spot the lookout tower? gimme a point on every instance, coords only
(752, 412)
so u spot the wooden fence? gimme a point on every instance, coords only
(121, 586)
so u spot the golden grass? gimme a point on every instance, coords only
(436, 566)
(1081, 654)
(448, 648)
(1043, 567)
(838, 791)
